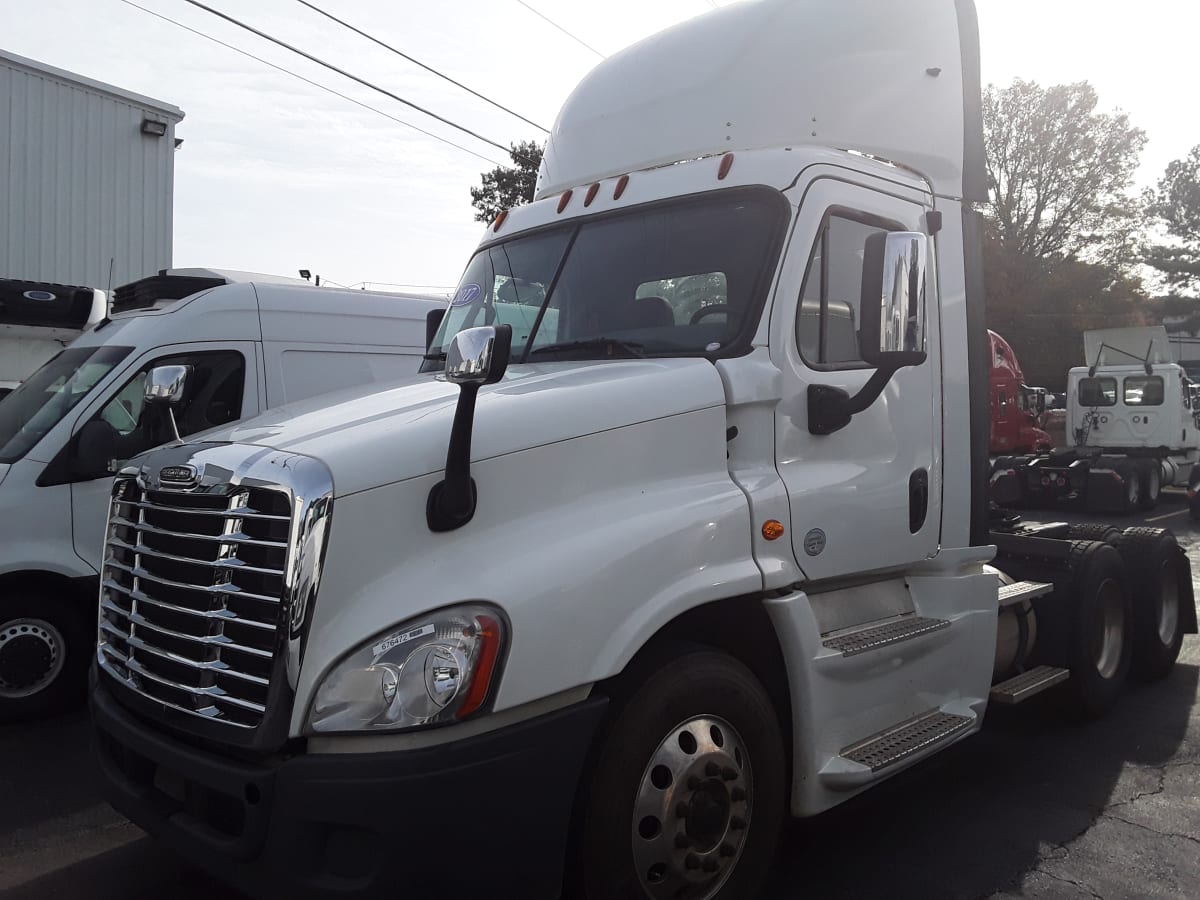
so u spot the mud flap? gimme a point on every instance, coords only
(1188, 593)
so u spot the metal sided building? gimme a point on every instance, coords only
(86, 178)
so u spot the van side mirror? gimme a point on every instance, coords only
(433, 321)
(165, 386)
(475, 357)
(892, 335)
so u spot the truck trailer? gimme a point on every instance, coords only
(37, 319)
(589, 607)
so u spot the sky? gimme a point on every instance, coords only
(277, 175)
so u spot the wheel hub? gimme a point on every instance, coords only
(1108, 630)
(30, 656)
(692, 811)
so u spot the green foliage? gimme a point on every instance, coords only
(507, 186)
(1058, 173)
(1174, 206)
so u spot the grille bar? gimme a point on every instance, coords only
(223, 614)
(217, 640)
(238, 512)
(228, 588)
(228, 563)
(210, 666)
(216, 694)
(236, 537)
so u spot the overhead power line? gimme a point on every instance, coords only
(316, 84)
(428, 68)
(353, 77)
(576, 39)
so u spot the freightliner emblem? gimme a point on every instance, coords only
(184, 476)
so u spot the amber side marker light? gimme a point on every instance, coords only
(489, 652)
(622, 183)
(591, 194)
(726, 165)
(564, 200)
(772, 529)
(500, 220)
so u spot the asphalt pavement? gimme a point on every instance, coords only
(1034, 806)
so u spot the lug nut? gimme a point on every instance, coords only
(682, 841)
(737, 795)
(710, 865)
(691, 861)
(727, 850)
(737, 823)
(728, 773)
(712, 770)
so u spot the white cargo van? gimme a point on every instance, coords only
(37, 319)
(251, 342)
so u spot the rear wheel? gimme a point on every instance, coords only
(1132, 498)
(1099, 647)
(1094, 531)
(1151, 478)
(1150, 556)
(688, 790)
(44, 644)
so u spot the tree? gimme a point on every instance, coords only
(1058, 173)
(1175, 207)
(508, 186)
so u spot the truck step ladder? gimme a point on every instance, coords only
(906, 739)
(851, 643)
(1020, 591)
(1028, 684)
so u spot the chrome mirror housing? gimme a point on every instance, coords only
(897, 314)
(166, 384)
(478, 355)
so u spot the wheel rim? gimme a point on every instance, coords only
(1132, 488)
(692, 811)
(1168, 603)
(1108, 629)
(31, 657)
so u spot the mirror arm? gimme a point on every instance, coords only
(831, 408)
(451, 502)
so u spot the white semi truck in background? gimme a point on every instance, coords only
(1133, 427)
(250, 342)
(617, 584)
(37, 319)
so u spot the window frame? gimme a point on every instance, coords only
(851, 214)
(1098, 378)
(1147, 379)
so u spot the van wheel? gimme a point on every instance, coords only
(688, 790)
(1150, 556)
(44, 643)
(1099, 642)
(1151, 477)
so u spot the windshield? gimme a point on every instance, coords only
(39, 404)
(682, 279)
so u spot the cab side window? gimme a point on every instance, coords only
(125, 427)
(828, 321)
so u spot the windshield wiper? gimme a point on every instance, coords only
(631, 348)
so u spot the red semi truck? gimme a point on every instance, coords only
(1015, 407)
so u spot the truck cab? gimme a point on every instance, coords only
(1015, 407)
(629, 573)
(248, 342)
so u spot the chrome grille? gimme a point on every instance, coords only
(192, 596)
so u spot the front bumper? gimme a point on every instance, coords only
(486, 815)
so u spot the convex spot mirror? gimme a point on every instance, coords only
(166, 384)
(478, 355)
(893, 299)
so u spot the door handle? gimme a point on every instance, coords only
(918, 499)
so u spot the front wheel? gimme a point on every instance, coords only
(689, 787)
(44, 652)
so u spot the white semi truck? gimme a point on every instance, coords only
(251, 342)
(1133, 426)
(37, 319)
(596, 601)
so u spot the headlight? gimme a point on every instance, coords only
(434, 669)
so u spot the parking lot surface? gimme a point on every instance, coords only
(1034, 806)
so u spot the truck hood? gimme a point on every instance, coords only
(402, 432)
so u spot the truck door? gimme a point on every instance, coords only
(222, 388)
(867, 496)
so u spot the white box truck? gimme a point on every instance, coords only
(37, 319)
(251, 341)
(591, 605)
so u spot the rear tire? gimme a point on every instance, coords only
(1094, 531)
(1098, 640)
(1151, 478)
(689, 788)
(1150, 558)
(1132, 498)
(45, 644)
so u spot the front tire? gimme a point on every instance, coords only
(44, 653)
(688, 791)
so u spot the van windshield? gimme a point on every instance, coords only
(40, 403)
(680, 279)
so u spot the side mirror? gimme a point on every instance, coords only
(479, 355)
(893, 299)
(433, 321)
(165, 386)
(892, 334)
(475, 357)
